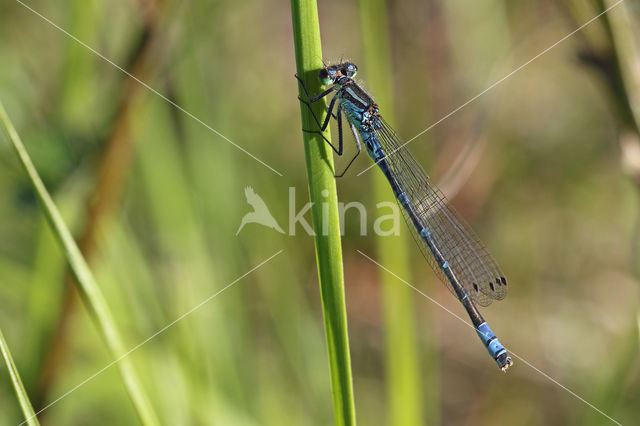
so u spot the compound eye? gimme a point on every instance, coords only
(327, 76)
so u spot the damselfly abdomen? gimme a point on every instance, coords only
(446, 241)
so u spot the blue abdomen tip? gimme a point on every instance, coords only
(493, 345)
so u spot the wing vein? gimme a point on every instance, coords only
(474, 266)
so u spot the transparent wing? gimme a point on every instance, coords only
(474, 266)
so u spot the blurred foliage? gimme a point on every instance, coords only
(546, 192)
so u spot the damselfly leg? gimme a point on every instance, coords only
(322, 127)
(448, 244)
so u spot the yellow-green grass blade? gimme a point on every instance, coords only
(402, 362)
(87, 285)
(322, 192)
(21, 393)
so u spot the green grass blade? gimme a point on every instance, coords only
(402, 365)
(322, 191)
(87, 285)
(21, 393)
(620, 29)
(624, 84)
(614, 380)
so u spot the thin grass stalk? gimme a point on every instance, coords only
(626, 78)
(91, 293)
(112, 171)
(620, 30)
(21, 393)
(610, 389)
(402, 364)
(322, 192)
(620, 70)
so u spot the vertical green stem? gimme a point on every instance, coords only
(322, 192)
(21, 393)
(87, 285)
(620, 31)
(619, 67)
(402, 366)
(624, 83)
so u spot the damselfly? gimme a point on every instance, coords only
(446, 241)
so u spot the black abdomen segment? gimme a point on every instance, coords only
(491, 342)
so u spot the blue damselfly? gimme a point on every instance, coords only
(446, 241)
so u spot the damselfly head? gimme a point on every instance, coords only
(330, 74)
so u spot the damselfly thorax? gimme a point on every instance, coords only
(449, 245)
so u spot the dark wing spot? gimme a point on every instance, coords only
(475, 287)
(497, 281)
(504, 280)
(491, 285)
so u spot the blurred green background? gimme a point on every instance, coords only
(544, 166)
